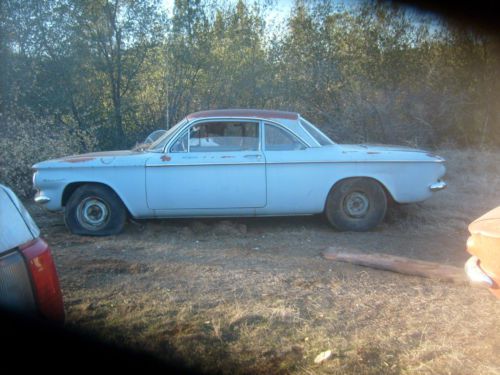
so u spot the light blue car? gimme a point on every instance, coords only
(242, 162)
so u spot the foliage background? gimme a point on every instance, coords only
(78, 76)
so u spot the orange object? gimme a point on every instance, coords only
(484, 244)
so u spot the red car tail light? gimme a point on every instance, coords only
(44, 278)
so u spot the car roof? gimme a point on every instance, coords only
(257, 113)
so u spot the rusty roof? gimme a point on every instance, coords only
(258, 113)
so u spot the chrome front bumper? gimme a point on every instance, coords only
(475, 274)
(440, 185)
(41, 199)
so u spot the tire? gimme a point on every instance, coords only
(95, 210)
(356, 204)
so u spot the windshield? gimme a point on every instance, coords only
(317, 134)
(159, 144)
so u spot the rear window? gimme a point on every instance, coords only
(279, 140)
(319, 136)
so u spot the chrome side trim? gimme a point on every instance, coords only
(351, 161)
(440, 185)
(475, 274)
(201, 164)
(301, 162)
(41, 199)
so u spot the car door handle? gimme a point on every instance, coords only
(256, 156)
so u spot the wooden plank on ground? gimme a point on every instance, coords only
(398, 264)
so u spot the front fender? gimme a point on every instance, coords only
(127, 182)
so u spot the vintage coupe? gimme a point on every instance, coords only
(224, 163)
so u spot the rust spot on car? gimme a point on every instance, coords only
(82, 159)
(165, 158)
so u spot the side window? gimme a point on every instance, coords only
(181, 145)
(224, 136)
(322, 139)
(279, 140)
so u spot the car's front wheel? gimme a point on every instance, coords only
(356, 204)
(94, 210)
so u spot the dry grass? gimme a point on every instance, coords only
(254, 295)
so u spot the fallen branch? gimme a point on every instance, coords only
(401, 265)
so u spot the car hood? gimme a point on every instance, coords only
(488, 224)
(103, 157)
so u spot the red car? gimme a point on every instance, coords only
(28, 279)
(483, 267)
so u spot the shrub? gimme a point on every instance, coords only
(26, 141)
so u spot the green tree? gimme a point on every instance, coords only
(119, 34)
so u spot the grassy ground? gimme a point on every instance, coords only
(255, 296)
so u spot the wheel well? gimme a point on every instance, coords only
(70, 189)
(390, 199)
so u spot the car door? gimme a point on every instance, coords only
(292, 176)
(215, 164)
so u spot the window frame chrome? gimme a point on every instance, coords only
(261, 121)
(286, 130)
(182, 134)
(312, 136)
(162, 150)
(194, 123)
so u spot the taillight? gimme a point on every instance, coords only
(44, 278)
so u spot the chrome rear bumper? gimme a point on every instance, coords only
(475, 274)
(440, 185)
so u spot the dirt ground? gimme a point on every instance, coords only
(255, 295)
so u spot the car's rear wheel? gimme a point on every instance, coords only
(356, 204)
(94, 210)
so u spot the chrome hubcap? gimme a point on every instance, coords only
(356, 204)
(92, 213)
